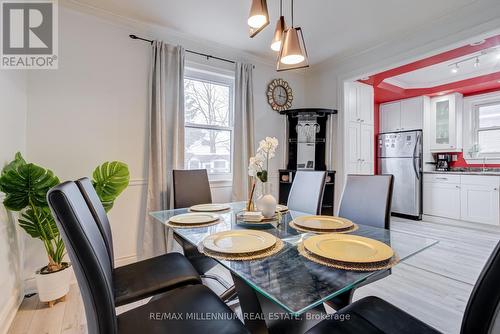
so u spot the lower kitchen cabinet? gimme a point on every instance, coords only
(479, 203)
(472, 198)
(441, 199)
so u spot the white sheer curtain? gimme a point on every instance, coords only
(243, 130)
(166, 141)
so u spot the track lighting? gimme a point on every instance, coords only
(455, 69)
(476, 62)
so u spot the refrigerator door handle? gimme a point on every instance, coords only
(417, 172)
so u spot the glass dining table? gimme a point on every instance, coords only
(291, 281)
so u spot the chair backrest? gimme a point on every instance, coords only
(98, 212)
(88, 254)
(191, 187)
(306, 193)
(482, 314)
(367, 200)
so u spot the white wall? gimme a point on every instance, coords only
(94, 108)
(13, 108)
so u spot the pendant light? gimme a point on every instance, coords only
(293, 53)
(278, 32)
(258, 18)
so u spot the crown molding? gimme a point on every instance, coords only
(169, 35)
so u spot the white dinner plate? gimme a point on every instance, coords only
(194, 218)
(209, 207)
(239, 241)
(348, 248)
(281, 208)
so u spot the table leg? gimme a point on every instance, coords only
(262, 315)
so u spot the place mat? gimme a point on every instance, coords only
(239, 218)
(174, 225)
(353, 228)
(347, 265)
(278, 246)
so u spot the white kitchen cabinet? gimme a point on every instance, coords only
(412, 114)
(446, 123)
(402, 115)
(441, 196)
(360, 102)
(359, 139)
(366, 149)
(480, 200)
(390, 117)
(471, 198)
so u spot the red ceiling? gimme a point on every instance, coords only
(385, 92)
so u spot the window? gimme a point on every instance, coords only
(488, 128)
(208, 101)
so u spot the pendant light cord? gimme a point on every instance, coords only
(292, 13)
(281, 8)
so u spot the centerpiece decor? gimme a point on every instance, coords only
(25, 186)
(258, 169)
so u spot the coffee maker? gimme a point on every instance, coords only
(443, 162)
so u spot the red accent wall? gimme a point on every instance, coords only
(462, 163)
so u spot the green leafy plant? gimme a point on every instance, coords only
(26, 185)
(109, 180)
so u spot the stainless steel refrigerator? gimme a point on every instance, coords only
(400, 154)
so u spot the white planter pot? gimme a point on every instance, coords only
(266, 203)
(52, 286)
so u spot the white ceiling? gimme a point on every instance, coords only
(441, 73)
(331, 27)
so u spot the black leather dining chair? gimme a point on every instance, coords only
(192, 187)
(367, 200)
(141, 279)
(374, 315)
(90, 260)
(306, 193)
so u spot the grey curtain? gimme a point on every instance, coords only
(243, 140)
(166, 141)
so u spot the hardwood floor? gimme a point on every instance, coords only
(433, 285)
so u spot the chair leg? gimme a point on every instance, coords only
(229, 294)
(217, 278)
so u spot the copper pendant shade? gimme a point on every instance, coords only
(258, 18)
(293, 53)
(278, 34)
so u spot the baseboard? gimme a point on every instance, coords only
(122, 261)
(460, 223)
(8, 313)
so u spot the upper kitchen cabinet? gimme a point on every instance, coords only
(446, 123)
(360, 102)
(402, 115)
(359, 145)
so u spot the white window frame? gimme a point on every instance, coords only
(222, 77)
(471, 128)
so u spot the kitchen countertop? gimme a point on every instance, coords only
(493, 173)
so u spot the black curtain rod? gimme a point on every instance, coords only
(190, 51)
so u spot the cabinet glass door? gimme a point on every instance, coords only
(443, 122)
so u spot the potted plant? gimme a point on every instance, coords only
(25, 186)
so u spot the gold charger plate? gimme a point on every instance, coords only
(327, 223)
(212, 207)
(194, 218)
(348, 248)
(239, 241)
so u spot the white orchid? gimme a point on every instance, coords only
(265, 152)
(256, 164)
